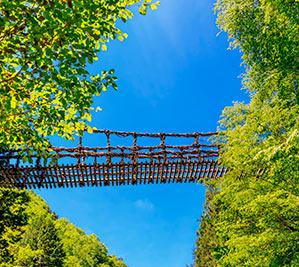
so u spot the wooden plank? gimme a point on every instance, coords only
(41, 177)
(216, 169)
(62, 180)
(50, 177)
(186, 178)
(150, 175)
(193, 172)
(92, 174)
(122, 173)
(169, 171)
(116, 173)
(111, 174)
(80, 175)
(56, 176)
(197, 171)
(201, 172)
(140, 176)
(29, 178)
(177, 172)
(33, 176)
(8, 175)
(17, 175)
(182, 172)
(127, 173)
(223, 171)
(100, 174)
(173, 172)
(105, 172)
(190, 176)
(161, 172)
(212, 169)
(145, 167)
(207, 169)
(134, 173)
(157, 172)
(70, 175)
(86, 176)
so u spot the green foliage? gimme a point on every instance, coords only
(266, 31)
(254, 215)
(45, 47)
(40, 244)
(82, 249)
(31, 235)
(207, 240)
(12, 220)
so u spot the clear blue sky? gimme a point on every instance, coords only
(175, 74)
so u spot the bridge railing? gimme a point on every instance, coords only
(117, 158)
(198, 147)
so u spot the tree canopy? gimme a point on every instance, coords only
(45, 47)
(252, 218)
(31, 235)
(46, 89)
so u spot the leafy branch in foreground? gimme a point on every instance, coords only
(45, 47)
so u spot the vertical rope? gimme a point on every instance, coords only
(80, 158)
(135, 159)
(122, 168)
(135, 154)
(181, 153)
(197, 145)
(95, 159)
(151, 155)
(108, 157)
(162, 144)
(122, 150)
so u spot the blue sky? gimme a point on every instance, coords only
(175, 74)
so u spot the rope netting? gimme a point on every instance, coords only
(151, 156)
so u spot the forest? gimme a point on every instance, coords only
(32, 235)
(251, 215)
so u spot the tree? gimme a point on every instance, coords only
(32, 235)
(13, 217)
(82, 249)
(255, 211)
(207, 240)
(40, 244)
(45, 47)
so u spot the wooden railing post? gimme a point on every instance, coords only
(108, 159)
(162, 171)
(108, 156)
(80, 158)
(197, 146)
(134, 160)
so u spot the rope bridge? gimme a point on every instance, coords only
(156, 161)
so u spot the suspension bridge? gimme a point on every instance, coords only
(122, 158)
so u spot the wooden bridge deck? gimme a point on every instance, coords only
(118, 165)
